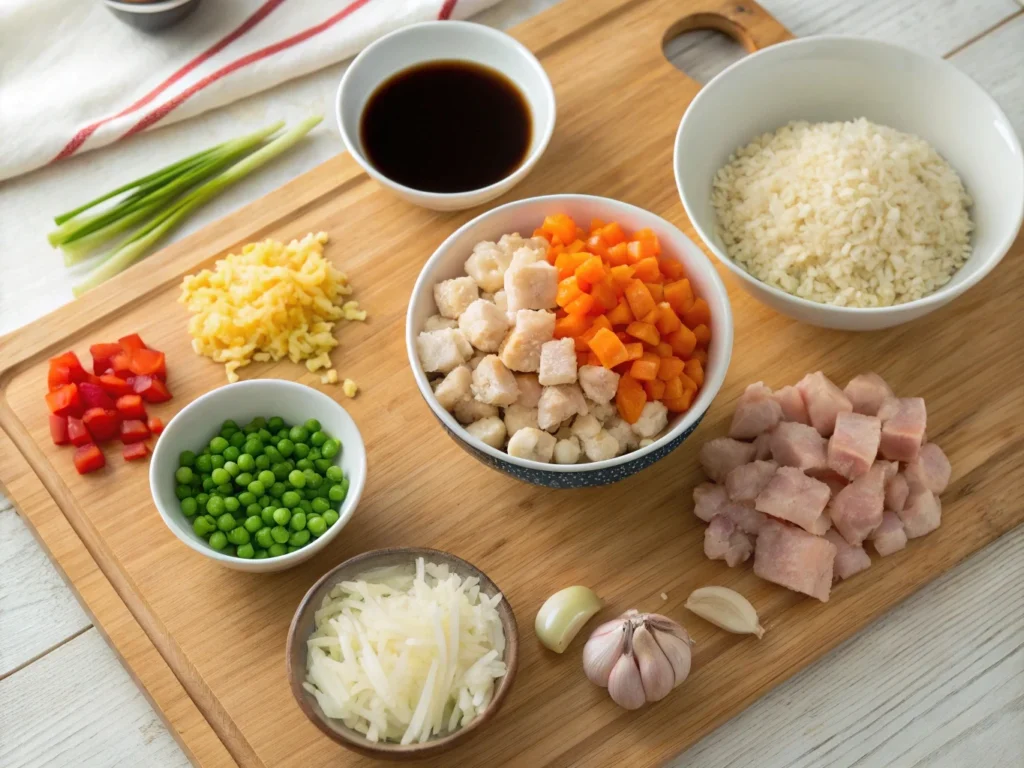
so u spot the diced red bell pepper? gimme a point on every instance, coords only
(148, 362)
(57, 377)
(77, 432)
(102, 354)
(59, 429)
(135, 451)
(65, 401)
(152, 389)
(133, 430)
(131, 407)
(102, 424)
(131, 342)
(114, 385)
(155, 424)
(94, 396)
(70, 361)
(121, 363)
(89, 458)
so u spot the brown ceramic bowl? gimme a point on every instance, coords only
(302, 628)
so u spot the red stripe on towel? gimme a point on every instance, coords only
(446, 10)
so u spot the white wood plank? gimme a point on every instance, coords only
(37, 610)
(996, 62)
(77, 707)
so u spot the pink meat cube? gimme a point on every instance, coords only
(822, 524)
(829, 477)
(747, 480)
(867, 392)
(723, 540)
(756, 412)
(896, 492)
(795, 559)
(798, 445)
(744, 515)
(890, 468)
(849, 559)
(763, 447)
(708, 499)
(889, 536)
(793, 496)
(903, 423)
(824, 400)
(792, 403)
(857, 509)
(722, 455)
(929, 470)
(854, 444)
(922, 513)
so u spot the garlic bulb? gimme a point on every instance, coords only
(638, 657)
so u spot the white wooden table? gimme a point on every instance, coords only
(939, 681)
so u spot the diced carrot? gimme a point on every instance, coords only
(581, 233)
(566, 263)
(575, 246)
(655, 389)
(624, 337)
(646, 332)
(673, 388)
(664, 349)
(593, 359)
(695, 371)
(668, 321)
(621, 315)
(679, 404)
(605, 293)
(590, 272)
(671, 368)
(630, 399)
(703, 334)
(582, 357)
(582, 342)
(571, 325)
(560, 227)
(596, 224)
(613, 234)
(657, 291)
(609, 348)
(597, 246)
(679, 295)
(568, 291)
(671, 269)
(644, 370)
(552, 255)
(617, 255)
(651, 317)
(647, 234)
(701, 356)
(683, 342)
(698, 314)
(582, 305)
(687, 382)
(539, 232)
(622, 274)
(635, 350)
(647, 270)
(639, 298)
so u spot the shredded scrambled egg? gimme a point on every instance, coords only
(268, 302)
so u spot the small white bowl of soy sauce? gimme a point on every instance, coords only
(447, 114)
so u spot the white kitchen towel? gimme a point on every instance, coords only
(73, 77)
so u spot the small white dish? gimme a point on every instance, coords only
(193, 427)
(446, 40)
(842, 78)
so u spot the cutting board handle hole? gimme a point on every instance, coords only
(700, 52)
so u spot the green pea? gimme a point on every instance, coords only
(314, 455)
(201, 499)
(237, 439)
(232, 504)
(301, 450)
(256, 487)
(262, 462)
(217, 445)
(245, 498)
(231, 468)
(282, 434)
(249, 429)
(312, 425)
(264, 435)
(265, 500)
(280, 470)
(318, 438)
(220, 476)
(186, 459)
(238, 536)
(286, 447)
(253, 510)
(218, 461)
(246, 551)
(229, 550)
(183, 491)
(183, 475)
(189, 506)
(316, 525)
(200, 526)
(313, 480)
(226, 489)
(337, 493)
(309, 494)
(253, 447)
(196, 482)
(266, 477)
(229, 424)
(231, 453)
(291, 549)
(208, 484)
(259, 422)
(267, 515)
(243, 478)
(246, 462)
(322, 465)
(277, 490)
(291, 499)
(297, 479)
(306, 506)
(272, 454)
(334, 474)
(282, 516)
(218, 540)
(324, 489)
(279, 534)
(261, 554)
(289, 464)
(263, 537)
(298, 434)
(303, 464)
(226, 522)
(276, 550)
(299, 538)
(330, 449)
(298, 521)
(320, 506)
(204, 464)
(275, 423)
(330, 517)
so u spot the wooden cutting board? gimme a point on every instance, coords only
(207, 644)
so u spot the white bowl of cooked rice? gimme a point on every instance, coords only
(850, 183)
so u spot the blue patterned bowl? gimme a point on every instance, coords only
(524, 216)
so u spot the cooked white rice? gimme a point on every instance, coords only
(852, 214)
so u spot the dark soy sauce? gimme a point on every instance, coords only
(446, 126)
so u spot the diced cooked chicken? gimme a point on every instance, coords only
(470, 410)
(867, 392)
(623, 432)
(756, 412)
(824, 400)
(529, 389)
(603, 412)
(527, 254)
(889, 536)
(793, 496)
(567, 451)
(708, 499)
(797, 445)
(521, 349)
(600, 447)
(722, 455)
(653, 419)
(896, 491)
(792, 403)
(453, 387)
(795, 559)
(533, 444)
(559, 403)
(442, 350)
(454, 296)
(850, 559)
(501, 301)
(857, 509)
(748, 480)
(490, 430)
(922, 513)
(494, 383)
(484, 325)
(763, 447)
(475, 360)
(519, 417)
(724, 541)
(437, 323)
(530, 286)
(585, 426)
(929, 470)
(557, 362)
(599, 383)
(854, 443)
(904, 421)
(487, 265)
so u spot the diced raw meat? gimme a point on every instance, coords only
(824, 400)
(559, 403)
(922, 513)
(849, 559)
(720, 456)
(795, 559)
(484, 325)
(599, 383)
(748, 480)
(763, 447)
(857, 509)
(793, 496)
(903, 423)
(889, 536)
(854, 443)
(929, 470)
(747, 518)
(867, 392)
(896, 492)
(520, 350)
(454, 296)
(724, 541)
(557, 362)
(494, 383)
(756, 412)
(798, 445)
(829, 477)
(793, 407)
(822, 524)
(708, 499)
(890, 468)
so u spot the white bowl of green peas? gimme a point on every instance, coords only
(259, 475)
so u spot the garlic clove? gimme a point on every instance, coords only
(563, 615)
(656, 673)
(677, 651)
(727, 609)
(665, 624)
(603, 649)
(624, 684)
